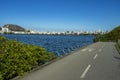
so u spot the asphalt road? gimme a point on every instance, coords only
(99, 61)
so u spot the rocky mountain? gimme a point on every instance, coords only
(14, 27)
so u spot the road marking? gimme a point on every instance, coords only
(87, 49)
(100, 50)
(95, 56)
(84, 49)
(90, 50)
(85, 72)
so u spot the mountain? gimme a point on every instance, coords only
(14, 27)
(113, 35)
(0, 28)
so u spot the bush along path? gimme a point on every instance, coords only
(118, 47)
(113, 35)
(17, 58)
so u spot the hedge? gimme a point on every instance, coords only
(17, 58)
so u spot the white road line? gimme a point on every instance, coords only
(90, 50)
(85, 72)
(95, 56)
(84, 49)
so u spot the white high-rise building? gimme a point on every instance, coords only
(5, 30)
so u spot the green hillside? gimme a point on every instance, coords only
(111, 36)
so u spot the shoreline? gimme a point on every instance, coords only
(50, 62)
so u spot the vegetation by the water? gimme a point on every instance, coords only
(118, 46)
(17, 58)
(111, 36)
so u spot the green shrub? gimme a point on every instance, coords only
(111, 36)
(2, 39)
(1, 78)
(17, 58)
(117, 46)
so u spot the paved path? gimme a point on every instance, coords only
(99, 61)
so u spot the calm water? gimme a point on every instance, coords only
(58, 44)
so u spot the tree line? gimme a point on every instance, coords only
(113, 35)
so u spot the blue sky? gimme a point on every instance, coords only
(61, 15)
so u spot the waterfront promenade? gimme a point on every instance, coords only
(99, 61)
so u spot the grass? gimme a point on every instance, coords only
(118, 47)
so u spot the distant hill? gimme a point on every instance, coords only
(14, 27)
(113, 35)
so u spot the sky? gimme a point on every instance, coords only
(61, 15)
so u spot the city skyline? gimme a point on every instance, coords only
(61, 15)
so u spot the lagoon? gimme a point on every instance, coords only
(58, 44)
